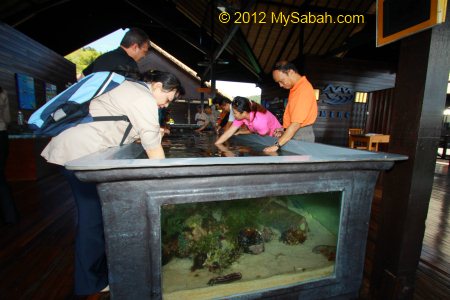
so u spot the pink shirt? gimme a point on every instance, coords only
(260, 123)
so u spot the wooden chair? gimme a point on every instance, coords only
(370, 141)
(355, 131)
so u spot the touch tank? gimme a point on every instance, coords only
(235, 223)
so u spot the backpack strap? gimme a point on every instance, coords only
(111, 118)
(101, 89)
(121, 118)
(117, 118)
(126, 133)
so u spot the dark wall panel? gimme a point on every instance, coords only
(21, 54)
(358, 75)
(359, 115)
(380, 110)
(332, 123)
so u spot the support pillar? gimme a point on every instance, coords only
(419, 101)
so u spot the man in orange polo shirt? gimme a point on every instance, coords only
(301, 109)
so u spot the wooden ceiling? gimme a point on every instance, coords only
(263, 39)
(191, 31)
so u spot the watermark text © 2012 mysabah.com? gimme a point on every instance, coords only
(285, 19)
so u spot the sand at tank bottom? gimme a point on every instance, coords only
(226, 290)
(279, 265)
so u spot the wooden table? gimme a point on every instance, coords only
(370, 140)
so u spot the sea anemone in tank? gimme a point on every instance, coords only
(296, 234)
(293, 236)
(250, 240)
(194, 221)
(194, 230)
(222, 257)
(206, 244)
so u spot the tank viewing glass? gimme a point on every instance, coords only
(222, 248)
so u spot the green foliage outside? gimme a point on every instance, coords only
(256, 98)
(83, 58)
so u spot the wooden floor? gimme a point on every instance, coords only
(433, 273)
(36, 255)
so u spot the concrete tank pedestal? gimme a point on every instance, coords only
(133, 190)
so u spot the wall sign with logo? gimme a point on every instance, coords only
(336, 95)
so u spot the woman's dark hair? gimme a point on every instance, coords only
(285, 66)
(135, 36)
(221, 100)
(242, 104)
(169, 81)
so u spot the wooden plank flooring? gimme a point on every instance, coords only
(36, 255)
(436, 243)
(433, 272)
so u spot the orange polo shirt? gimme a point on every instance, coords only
(302, 104)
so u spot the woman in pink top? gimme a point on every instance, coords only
(257, 119)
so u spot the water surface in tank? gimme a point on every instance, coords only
(223, 248)
(191, 144)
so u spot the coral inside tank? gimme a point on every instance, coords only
(239, 246)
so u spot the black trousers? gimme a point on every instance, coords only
(91, 271)
(8, 211)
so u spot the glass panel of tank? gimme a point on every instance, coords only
(218, 249)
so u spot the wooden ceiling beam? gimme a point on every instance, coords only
(152, 14)
(33, 10)
(365, 36)
(331, 33)
(249, 53)
(226, 40)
